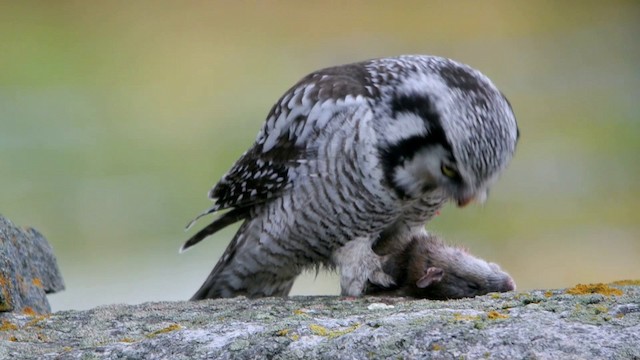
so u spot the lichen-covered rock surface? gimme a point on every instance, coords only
(587, 322)
(28, 270)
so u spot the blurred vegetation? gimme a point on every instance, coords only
(116, 118)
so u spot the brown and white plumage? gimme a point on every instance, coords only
(364, 150)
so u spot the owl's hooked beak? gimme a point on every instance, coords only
(462, 202)
(466, 199)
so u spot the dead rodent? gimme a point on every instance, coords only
(428, 268)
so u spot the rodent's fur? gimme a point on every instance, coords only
(428, 268)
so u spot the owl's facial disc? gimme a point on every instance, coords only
(432, 168)
(428, 169)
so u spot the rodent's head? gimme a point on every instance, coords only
(448, 272)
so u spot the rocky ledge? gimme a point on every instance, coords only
(587, 321)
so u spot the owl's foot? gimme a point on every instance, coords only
(359, 264)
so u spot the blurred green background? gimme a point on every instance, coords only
(116, 118)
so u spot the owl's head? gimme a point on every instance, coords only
(450, 130)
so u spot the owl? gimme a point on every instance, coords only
(368, 151)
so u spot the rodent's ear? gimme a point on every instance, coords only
(431, 276)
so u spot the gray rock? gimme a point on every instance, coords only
(585, 323)
(28, 270)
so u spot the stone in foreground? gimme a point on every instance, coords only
(28, 270)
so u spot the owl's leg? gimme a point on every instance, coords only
(358, 264)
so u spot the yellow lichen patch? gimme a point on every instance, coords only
(626, 282)
(36, 282)
(318, 330)
(494, 315)
(170, 328)
(288, 333)
(127, 340)
(36, 319)
(13, 339)
(601, 309)
(519, 296)
(322, 331)
(6, 326)
(495, 295)
(460, 317)
(299, 312)
(548, 293)
(27, 310)
(604, 289)
(4, 287)
(436, 347)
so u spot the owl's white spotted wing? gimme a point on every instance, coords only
(284, 142)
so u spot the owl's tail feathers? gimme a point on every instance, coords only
(241, 271)
(212, 288)
(223, 221)
(219, 286)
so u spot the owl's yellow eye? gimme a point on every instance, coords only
(448, 171)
